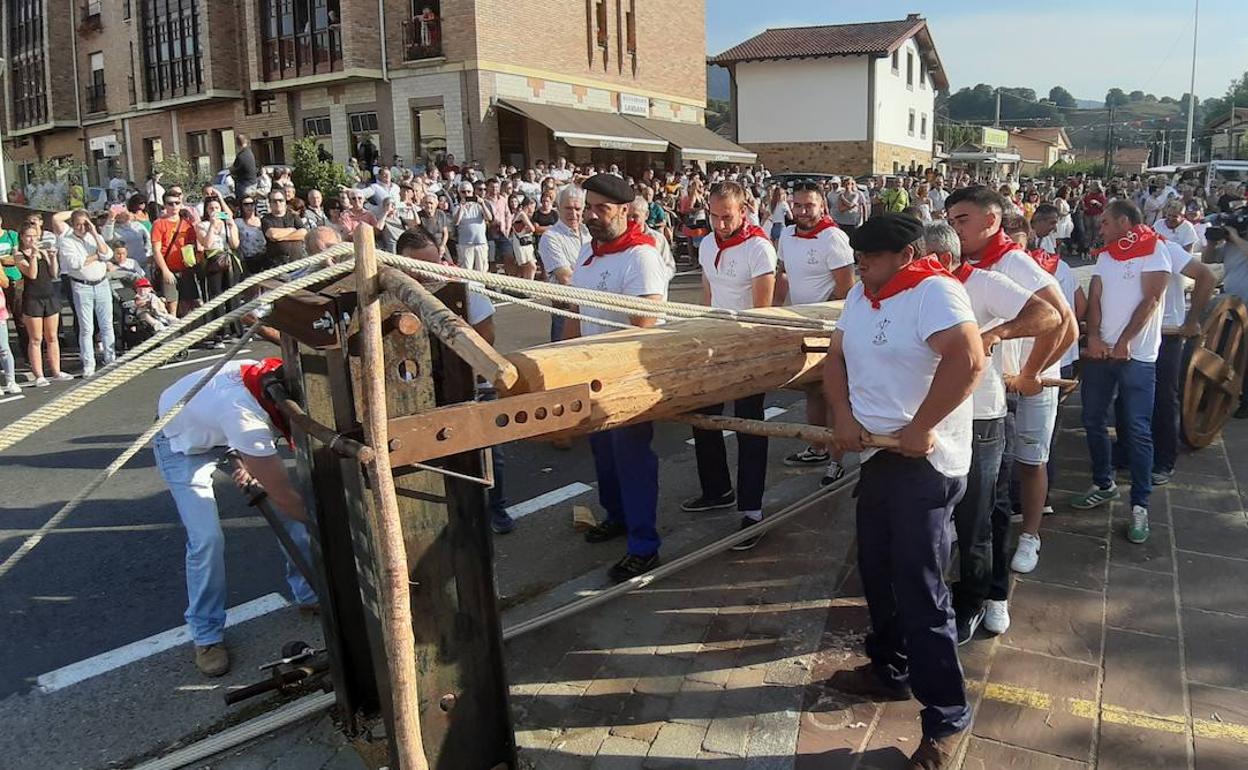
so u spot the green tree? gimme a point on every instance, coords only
(1136, 96)
(1062, 98)
(311, 173)
(1115, 98)
(176, 170)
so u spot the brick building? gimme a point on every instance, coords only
(841, 98)
(119, 84)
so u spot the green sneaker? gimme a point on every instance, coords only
(1138, 531)
(1094, 496)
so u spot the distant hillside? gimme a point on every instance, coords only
(718, 85)
(1136, 124)
(1089, 104)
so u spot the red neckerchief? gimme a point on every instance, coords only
(997, 247)
(820, 226)
(907, 278)
(1140, 241)
(632, 236)
(1046, 260)
(963, 273)
(742, 235)
(253, 380)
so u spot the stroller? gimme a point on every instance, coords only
(131, 329)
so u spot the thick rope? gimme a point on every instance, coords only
(116, 465)
(107, 381)
(551, 309)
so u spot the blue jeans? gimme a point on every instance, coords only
(93, 304)
(628, 483)
(1135, 383)
(190, 481)
(972, 518)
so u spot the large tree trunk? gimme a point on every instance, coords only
(651, 374)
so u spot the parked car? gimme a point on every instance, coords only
(789, 178)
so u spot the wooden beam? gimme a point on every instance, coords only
(812, 434)
(396, 613)
(456, 333)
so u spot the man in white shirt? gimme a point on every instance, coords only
(817, 266)
(381, 189)
(560, 246)
(1003, 310)
(233, 411)
(622, 258)
(638, 210)
(936, 197)
(1124, 338)
(976, 214)
(84, 255)
(903, 362)
(1174, 227)
(471, 220)
(561, 172)
(1159, 193)
(738, 272)
(849, 207)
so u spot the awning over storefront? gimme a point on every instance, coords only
(588, 128)
(696, 142)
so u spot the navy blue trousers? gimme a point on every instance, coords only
(972, 518)
(712, 457)
(904, 510)
(628, 483)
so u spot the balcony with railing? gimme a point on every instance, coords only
(299, 39)
(90, 18)
(95, 98)
(422, 37)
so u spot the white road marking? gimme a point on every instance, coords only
(11, 398)
(553, 497)
(204, 359)
(127, 654)
(768, 413)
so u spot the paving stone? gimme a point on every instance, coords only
(1220, 721)
(641, 717)
(620, 754)
(1152, 555)
(581, 741)
(989, 755)
(1026, 704)
(728, 735)
(536, 739)
(1141, 600)
(608, 695)
(663, 676)
(1216, 652)
(1123, 747)
(897, 728)
(831, 732)
(1093, 523)
(1143, 673)
(1055, 620)
(1213, 583)
(677, 741)
(1213, 496)
(1208, 461)
(695, 705)
(1071, 560)
(1221, 534)
(976, 657)
(347, 758)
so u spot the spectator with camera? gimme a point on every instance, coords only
(174, 250)
(84, 256)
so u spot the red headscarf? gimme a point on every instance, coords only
(997, 247)
(1140, 241)
(746, 232)
(1046, 259)
(963, 273)
(632, 236)
(253, 379)
(907, 278)
(823, 224)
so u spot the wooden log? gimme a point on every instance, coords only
(1053, 382)
(811, 434)
(396, 613)
(638, 375)
(447, 326)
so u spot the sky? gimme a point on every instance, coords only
(1087, 46)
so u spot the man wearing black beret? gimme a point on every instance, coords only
(621, 258)
(904, 361)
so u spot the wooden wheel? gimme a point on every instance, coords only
(1213, 372)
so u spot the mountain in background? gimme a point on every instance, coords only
(1089, 104)
(718, 85)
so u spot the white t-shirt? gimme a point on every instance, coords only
(779, 213)
(1069, 283)
(732, 282)
(1185, 234)
(1121, 293)
(478, 306)
(634, 272)
(995, 300)
(1020, 268)
(890, 365)
(560, 247)
(222, 414)
(1174, 302)
(809, 262)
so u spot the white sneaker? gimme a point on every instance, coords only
(996, 616)
(12, 388)
(62, 377)
(42, 382)
(1028, 554)
(88, 374)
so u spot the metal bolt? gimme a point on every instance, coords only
(445, 433)
(395, 444)
(447, 702)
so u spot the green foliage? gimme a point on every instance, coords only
(1062, 98)
(309, 172)
(1116, 98)
(1061, 170)
(718, 113)
(1017, 104)
(176, 170)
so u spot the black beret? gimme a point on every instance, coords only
(886, 232)
(610, 187)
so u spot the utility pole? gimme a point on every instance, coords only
(1191, 100)
(1109, 145)
(996, 120)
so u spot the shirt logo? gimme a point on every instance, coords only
(812, 258)
(880, 337)
(730, 268)
(602, 281)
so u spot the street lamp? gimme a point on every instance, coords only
(4, 178)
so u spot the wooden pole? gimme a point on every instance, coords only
(447, 326)
(812, 434)
(396, 616)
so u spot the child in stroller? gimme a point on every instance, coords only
(143, 314)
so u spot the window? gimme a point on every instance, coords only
(197, 151)
(320, 130)
(631, 28)
(896, 64)
(429, 134)
(172, 57)
(27, 76)
(363, 122)
(300, 37)
(923, 127)
(364, 129)
(422, 33)
(910, 125)
(923, 76)
(154, 149)
(263, 104)
(125, 9)
(600, 22)
(95, 86)
(909, 69)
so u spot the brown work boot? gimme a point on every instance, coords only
(935, 753)
(212, 659)
(863, 681)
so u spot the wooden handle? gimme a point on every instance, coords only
(813, 434)
(876, 441)
(1053, 382)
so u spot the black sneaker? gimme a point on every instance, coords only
(607, 530)
(808, 456)
(749, 542)
(967, 626)
(501, 523)
(699, 504)
(835, 473)
(631, 566)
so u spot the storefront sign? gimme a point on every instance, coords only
(995, 137)
(631, 104)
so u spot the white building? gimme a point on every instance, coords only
(844, 98)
